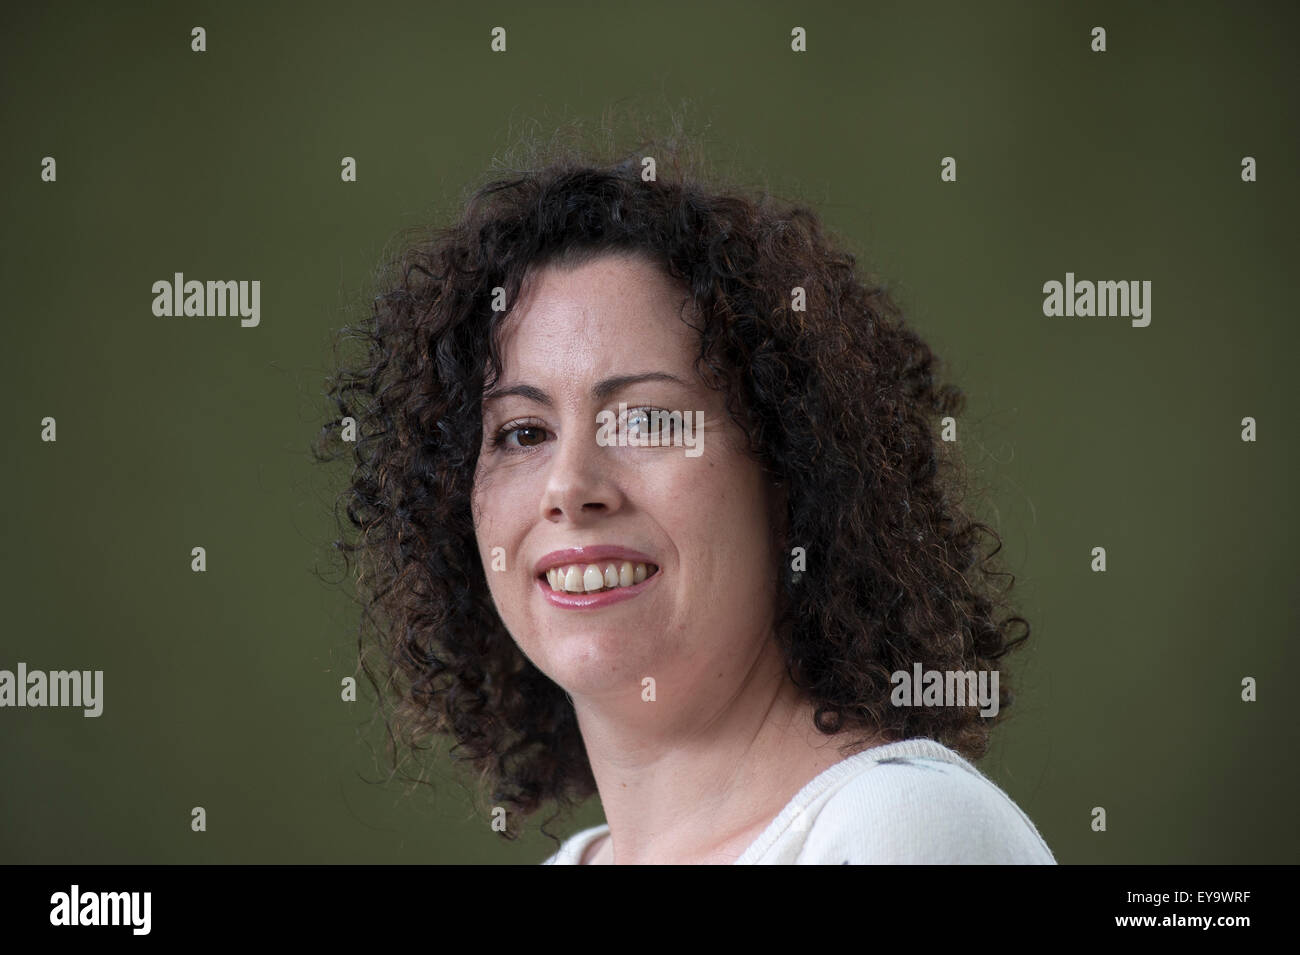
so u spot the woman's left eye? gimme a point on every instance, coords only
(650, 421)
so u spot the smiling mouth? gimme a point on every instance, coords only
(597, 578)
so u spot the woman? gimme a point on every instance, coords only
(651, 498)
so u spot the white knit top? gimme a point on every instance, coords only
(910, 802)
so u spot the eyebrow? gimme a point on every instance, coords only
(602, 389)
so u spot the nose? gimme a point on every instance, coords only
(580, 479)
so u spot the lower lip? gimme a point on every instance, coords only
(576, 601)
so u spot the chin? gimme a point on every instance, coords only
(595, 661)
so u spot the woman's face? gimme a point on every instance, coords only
(699, 513)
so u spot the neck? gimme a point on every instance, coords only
(696, 780)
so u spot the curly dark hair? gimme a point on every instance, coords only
(839, 401)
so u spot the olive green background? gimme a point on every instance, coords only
(222, 688)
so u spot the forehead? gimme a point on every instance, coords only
(602, 317)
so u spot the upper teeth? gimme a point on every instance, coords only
(583, 578)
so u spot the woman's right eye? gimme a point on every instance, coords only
(529, 436)
(535, 436)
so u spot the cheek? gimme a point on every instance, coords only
(487, 527)
(490, 502)
(500, 521)
(720, 516)
(481, 518)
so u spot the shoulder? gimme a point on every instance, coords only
(918, 802)
(572, 849)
